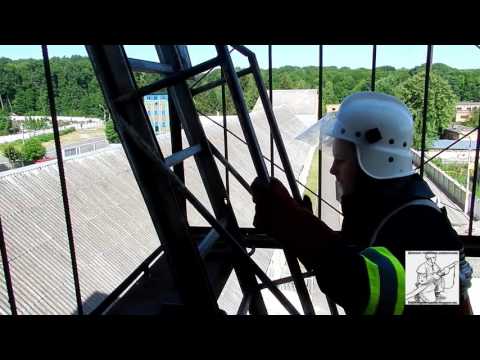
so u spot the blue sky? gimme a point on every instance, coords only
(354, 56)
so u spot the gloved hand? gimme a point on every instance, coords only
(272, 202)
(291, 223)
(273, 199)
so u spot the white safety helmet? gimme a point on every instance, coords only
(380, 126)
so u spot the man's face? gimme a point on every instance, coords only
(345, 166)
(431, 260)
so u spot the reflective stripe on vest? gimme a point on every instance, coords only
(386, 280)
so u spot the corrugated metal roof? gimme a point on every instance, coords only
(300, 101)
(112, 229)
(108, 217)
(461, 145)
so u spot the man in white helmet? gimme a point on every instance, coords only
(386, 207)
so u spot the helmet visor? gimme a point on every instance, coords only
(321, 132)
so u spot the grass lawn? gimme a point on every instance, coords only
(458, 172)
(312, 181)
(77, 136)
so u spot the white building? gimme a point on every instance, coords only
(464, 110)
(72, 119)
(157, 110)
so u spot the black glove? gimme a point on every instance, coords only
(307, 203)
(291, 223)
(271, 201)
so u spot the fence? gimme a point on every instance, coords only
(452, 188)
(84, 148)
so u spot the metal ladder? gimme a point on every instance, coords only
(164, 190)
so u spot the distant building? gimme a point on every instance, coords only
(157, 110)
(456, 131)
(332, 107)
(465, 109)
(61, 118)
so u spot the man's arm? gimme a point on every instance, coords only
(340, 270)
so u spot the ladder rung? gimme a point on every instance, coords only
(244, 50)
(149, 66)
(214, 84)
(170, 80)
(180, 156)
(209, 240)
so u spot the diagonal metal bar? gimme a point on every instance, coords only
(169, 81)
(242, 112)
(230, 168)
(291, 261)
(146, 149)
(146, 66)
(428, 67)
(177, 145)
(270, 92)
(115, 294)
(214, 84)
(448, 147)
(6, 272)
(187, 268)
(288, 279)
(209, 240)
(275, 131)
(225, 136)
(192, 87)
(244, 305)
(58, 148)
(208, 170)
(278, 167)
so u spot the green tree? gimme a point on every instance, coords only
(36, 124)
(110, 133)
(5, 123)
(390, 80)
(441, 105)
(33, 150)
(328, 96)
(23, 90)
(13, 154)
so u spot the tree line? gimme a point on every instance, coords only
(23, 89)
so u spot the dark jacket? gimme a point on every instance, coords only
(341, 270)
